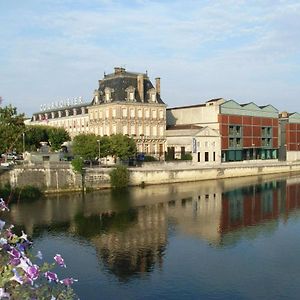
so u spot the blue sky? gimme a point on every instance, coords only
(52, 50)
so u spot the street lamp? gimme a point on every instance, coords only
(99, 153)
(23, 134)
(254, 154)
(142, 142)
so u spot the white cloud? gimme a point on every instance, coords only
(201, 49)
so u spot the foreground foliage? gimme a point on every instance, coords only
(21, 277)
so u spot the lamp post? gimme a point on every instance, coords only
(254, 154)
(142, 142)
(23, 134)
(99, 153)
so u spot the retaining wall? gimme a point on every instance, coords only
(60, 177)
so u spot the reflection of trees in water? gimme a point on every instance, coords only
(91, 226)
(57, 227)
(134, 250)
(126, 265)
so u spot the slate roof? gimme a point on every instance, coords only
(183, 126)
(120, 81)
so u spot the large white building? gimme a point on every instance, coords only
(125, 102)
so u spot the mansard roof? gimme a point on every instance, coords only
(119, 82)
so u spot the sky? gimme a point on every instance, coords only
(248, 51)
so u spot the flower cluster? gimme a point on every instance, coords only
(20, 278)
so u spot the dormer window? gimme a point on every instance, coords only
(152, 95)
(107, 93)
(96, 97)
(130, 94)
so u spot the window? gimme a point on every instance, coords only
(140, 115)
(182, 151)
(114, 112)
(147, 130)
(214, 156)
(132, 129)
(147, 113)
(130, 94)
(153, 97)
(125, 129)
(161, 131)
(154, 114)
(140, 129)
(107, 113)
(147, 148)
(132, 113)
(206, 144)
(124, 112)
(206, 156)
(161, 114)
(108, 92)
(154, 130)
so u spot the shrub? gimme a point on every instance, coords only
(186, 156)
(149, 158)
(119, 177)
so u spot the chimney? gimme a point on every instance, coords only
(157, 85)
(140, 86)
(119, 70)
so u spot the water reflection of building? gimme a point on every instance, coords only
(137, 248)
(130, 231)
(224, 218)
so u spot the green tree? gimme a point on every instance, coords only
(34, 135)
(105, 146)
(57, 136)
(86, 146)
(11, 128)
(122, 146)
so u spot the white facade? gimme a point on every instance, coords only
(202, 143)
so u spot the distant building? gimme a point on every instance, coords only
(201, 143)
(125, 102)
(72, 117)
(247, 131)
(289, 136)
(129, 104)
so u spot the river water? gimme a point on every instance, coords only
(227, 239)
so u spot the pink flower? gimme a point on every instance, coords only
(51, 276)
(68, 281)
(59, 260)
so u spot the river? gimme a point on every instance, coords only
(225, 239)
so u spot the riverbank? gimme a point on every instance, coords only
(59, 177)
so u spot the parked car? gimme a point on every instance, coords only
(12, 156)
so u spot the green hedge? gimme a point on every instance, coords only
(119, 177)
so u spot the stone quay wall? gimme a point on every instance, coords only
(59, 177)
